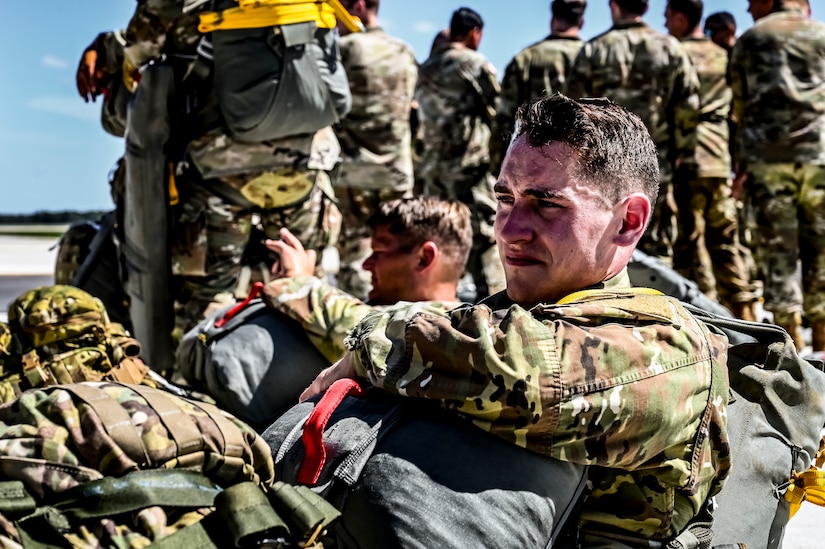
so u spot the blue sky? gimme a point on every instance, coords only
(55, 156)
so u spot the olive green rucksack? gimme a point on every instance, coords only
(62, 334)
(107, 464)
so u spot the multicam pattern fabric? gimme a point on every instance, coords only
(62, 334)
(712, 158)
(790, 200)
(630, 383)
(55, 439)
(778, 82)
(327, 314)
(539, 69)
(708, 250)
(375, 140)
(375, 134)
(456, 95)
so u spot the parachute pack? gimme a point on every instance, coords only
(277, 69)
(62, 334)
(253, 360)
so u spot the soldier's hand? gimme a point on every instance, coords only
(87, 81)
(293, 259)
(344, 368)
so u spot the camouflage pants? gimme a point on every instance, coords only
(707, 248)
(354, 246)
(790, 215)
(214, 232)
(474, 187)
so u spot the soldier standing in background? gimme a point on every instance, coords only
(456, 96)
(707, 246)
(375, 136)
(778, 81)
(651, 75)
(537, 70)
(180, 147)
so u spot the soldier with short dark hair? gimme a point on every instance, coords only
(707, 246)
(539, 69)
(570, 361)
(721, 28)
(456, 95)
(419, 247)
(650, 74)
(778, 81)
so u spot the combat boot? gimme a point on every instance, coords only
(744, 310)
(794, 327)
(818, 335)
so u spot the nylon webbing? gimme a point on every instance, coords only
(137, 490)
(115, 418)
(233, 441)
(251, 14)
(181, 426)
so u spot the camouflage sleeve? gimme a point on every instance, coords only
(683, 109)
(561, 380)
(737, 86)
(326, 313)
(505, 115)
(577, 84)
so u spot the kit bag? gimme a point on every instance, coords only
(128, 466)
(408, 474)
(62, 334)
(276, 73)
(776, 417)
(253, 360)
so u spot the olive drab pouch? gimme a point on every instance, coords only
(277, 66)
(776, 416)
(106, 464)
(64, 335)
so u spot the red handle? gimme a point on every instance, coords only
(256, 289)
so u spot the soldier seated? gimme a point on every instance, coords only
(569, 361)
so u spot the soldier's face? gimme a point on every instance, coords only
(554, 232)
(391, 268)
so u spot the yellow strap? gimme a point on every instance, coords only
(582, 294)
(810, 485)
(252, 14)
(174, 197)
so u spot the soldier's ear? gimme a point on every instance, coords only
(427, 254)
(633, 214)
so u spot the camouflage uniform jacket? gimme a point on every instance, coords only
(536, 70)
(630, 384)
(375, 135)
(456, 94)
(713, 134)
(778, 81)
(327, 314)
(651, 75)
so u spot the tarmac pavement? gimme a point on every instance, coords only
(27, 262)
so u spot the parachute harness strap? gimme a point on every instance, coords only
(810, 485)
(252, 14)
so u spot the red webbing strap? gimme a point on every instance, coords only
(313, 435)
(257, 288)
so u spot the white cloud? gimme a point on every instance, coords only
(424, 27)
(54, 62)
(67, 106)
